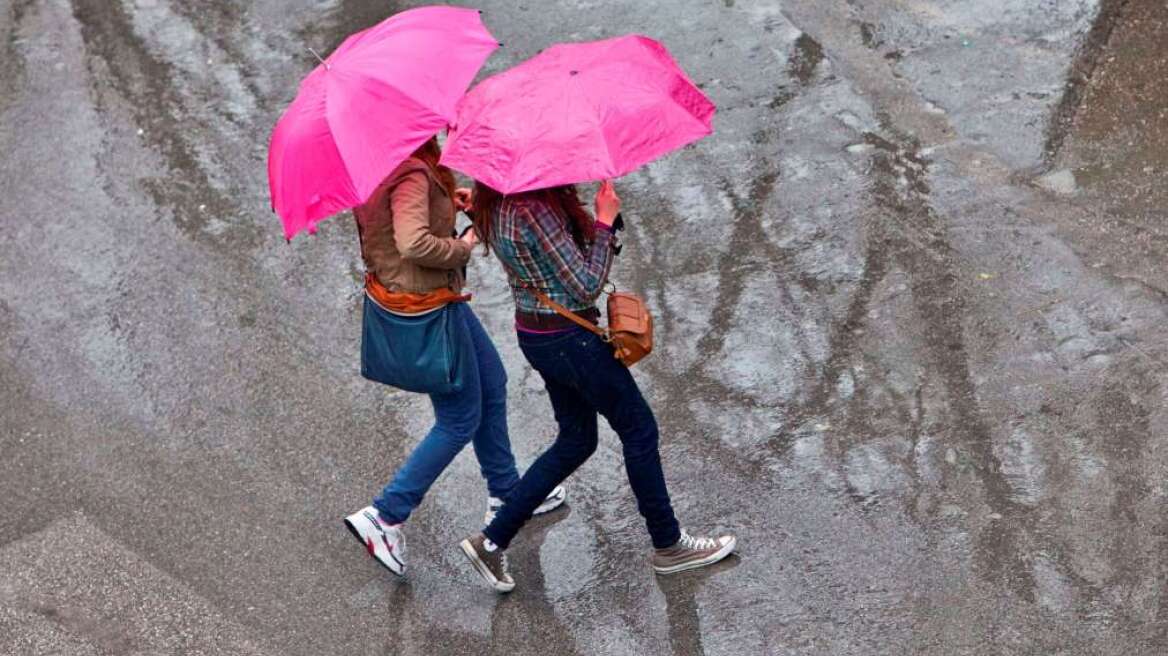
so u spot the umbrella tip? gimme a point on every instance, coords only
(500, 44)
(327, 67)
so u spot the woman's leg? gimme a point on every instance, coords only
(492, 442)
(574, 444)
(610, 388)
(457, 418)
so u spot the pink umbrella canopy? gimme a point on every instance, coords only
(372, 102)
(577, 112)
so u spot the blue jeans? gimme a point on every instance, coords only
(476, 414)
(583, 379)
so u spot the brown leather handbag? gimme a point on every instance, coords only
(630, 326)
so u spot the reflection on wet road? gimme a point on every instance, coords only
(910, 302)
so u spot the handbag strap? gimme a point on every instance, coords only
(568, 314)
(560, 309)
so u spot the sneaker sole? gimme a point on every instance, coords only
(469, 551)
(361, 541)
(709, 560)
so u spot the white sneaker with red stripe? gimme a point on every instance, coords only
(385, 542)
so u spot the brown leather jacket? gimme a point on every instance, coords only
(406, 230)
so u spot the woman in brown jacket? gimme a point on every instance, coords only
(415, 265)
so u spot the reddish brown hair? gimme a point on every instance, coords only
(430, 153)
(564, 201)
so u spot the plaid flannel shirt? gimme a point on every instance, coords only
(534, 242)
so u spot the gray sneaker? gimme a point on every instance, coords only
(692, 552)
(491, 565)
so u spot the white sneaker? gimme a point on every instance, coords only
(553, 501)
(385, 542)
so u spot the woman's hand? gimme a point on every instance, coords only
(463, 199)
(608, 204)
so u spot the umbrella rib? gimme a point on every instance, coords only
(603, 135)
(402, 94)
(333, 136)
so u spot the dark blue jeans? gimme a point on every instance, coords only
(477, 414)
(583, 379)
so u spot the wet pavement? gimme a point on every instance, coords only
(911, 307)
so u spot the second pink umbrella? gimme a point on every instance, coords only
(577, 112)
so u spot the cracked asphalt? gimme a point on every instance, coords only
(910, 299)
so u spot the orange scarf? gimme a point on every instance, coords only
(409, 302)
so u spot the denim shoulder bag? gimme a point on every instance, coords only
(418, 353)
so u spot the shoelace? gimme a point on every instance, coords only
(697, 544)
(502, 559)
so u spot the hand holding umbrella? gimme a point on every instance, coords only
(463, 199)
(608, 204)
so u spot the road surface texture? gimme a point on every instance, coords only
(911, 306)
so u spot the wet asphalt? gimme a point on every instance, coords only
(911, 309)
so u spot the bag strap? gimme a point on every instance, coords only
(560, 309)
(568, 314)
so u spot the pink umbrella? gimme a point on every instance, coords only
(365, 108)
(577, 112)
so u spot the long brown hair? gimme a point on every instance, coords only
(430, 153)
(563, 200)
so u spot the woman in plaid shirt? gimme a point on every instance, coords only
(547, 240)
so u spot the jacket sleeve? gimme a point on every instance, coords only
(409, 202)
(582, 272)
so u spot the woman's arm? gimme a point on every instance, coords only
(583, 273)
(410, 204)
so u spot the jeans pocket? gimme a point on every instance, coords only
(596, 348)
